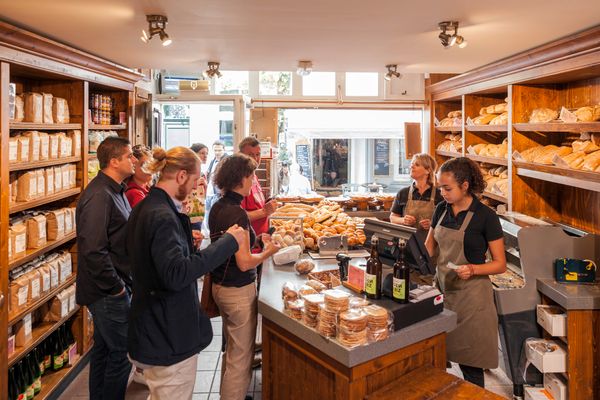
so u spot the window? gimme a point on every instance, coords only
(319, 84)
(232, 82)
(362, 84)
(273, 83)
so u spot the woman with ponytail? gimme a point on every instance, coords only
(462, 232)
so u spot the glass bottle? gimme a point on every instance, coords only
(37, 374)
(47, 353)
(29, 379)
(401, 277)
(373, 273)
(57, 353)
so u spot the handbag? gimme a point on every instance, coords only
(207, 301)
(575, 271)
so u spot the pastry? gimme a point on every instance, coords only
(304, 266)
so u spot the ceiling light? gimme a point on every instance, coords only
(304, 68)
(449, 35)
(156, 26)
(392, 72)
(213, 70)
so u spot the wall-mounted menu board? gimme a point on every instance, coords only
(382, 157)
(304, 160)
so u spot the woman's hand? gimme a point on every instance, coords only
(197, 237)
(270, 246)
(271, 207)
(465, 271)
(425, 224)
(409, 220)
(238, 233)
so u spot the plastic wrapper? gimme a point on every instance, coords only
(329, 278)
(287, 255)
(358, 302)
(304, 266)
(327, 321)
(318, 286)
(295, 308)
(379, 323)
(306, 290)
(289, 292)
(336, 300)
(353, 320)
(352, 338)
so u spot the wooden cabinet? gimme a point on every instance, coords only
(35, 64)
(565, 73)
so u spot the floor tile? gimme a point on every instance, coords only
(214, 396)
(200, 396)
(502, 390)
(216, 384)
(215, 345)
(203, 381)
(207, 361)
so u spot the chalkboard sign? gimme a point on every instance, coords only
(304, 160)
(382, 157)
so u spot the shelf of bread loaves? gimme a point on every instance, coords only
(583, 119)
(492, 118)
(496, 179)
(325, 219)
(452, 123)
(451, 146)
(489, 153)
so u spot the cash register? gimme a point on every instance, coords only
(416, 254)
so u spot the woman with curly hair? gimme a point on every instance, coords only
(462, 231)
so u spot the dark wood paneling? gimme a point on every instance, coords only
(4, 136)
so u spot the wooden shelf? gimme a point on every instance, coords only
(42, 300)
(30, 126)
(496, 197)
(449, 128)
(25, 205)
(487, 128)
(42, 164)
(570, 177)
(108, 127)
(448, 153)
(577, 127)
(39, 333)
(33, 253)
(51, 380)
(488, 160)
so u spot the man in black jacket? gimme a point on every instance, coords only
(103, 274)
(167, 330)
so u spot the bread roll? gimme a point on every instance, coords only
(575, 159)
(490, 109)
(584, 114)
(478, 147)
(584, 145)
(542, 115)
(455, 114)
(484, 119)
(501, 119)
(500, 108)
(546, 156)
(529, 154)
(592, 161)
(483, 111)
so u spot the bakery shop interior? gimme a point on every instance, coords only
(319, 200)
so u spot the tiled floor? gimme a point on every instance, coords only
(208, 377)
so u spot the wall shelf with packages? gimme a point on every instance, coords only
(495, 196)
(487, 128)
(39, 334)
(108, 127)
(448, 153)
(42, 300)
(488, 160)
(51, 380)
(577, 127)
(42, 164)
(570, 177)
(34, 253)
(31, 126)
(26, 205)
(449, 128)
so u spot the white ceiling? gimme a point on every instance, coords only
(337, 35)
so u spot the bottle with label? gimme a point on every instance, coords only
(37, 374)
(21, 385)
(47, 353)
(63, 339)
(401, 277)
(373, 273)
(29, 379)
(57, 353)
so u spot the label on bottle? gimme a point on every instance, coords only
(29, 392)
(47, 362)
(371, 284)
(399, 288)
(57, 361)
(37, 385)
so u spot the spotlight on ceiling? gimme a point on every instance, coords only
(449, 35)
(213, 70)
(392, 72)
(304, 68)
(156, 26)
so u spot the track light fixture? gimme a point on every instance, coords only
(449, 35)
(213, 70)
(304, 68)
(156, 26)
(392, 72)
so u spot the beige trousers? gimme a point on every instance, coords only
(238, 308)
(173, 382)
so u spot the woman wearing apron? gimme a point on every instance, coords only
(462, 230)
(414, 205)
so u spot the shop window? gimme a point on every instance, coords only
(330, 162)
(275, 83)
(362, 84)
(232, 82)
(319, 84)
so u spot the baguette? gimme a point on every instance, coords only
(484, 119)
(591, 162)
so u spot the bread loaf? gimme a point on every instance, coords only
(586, 146)
(13, 150)
(530, 153)
(484, 119)
(542, 115)
(500, 108)
(575, 159)
(546, 155)
(490, 109)
(592, 161)
(501, 119)
(75, 137)
(478, 148)
(455, 114)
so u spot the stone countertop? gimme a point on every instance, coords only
(270, 305)
(571, 296)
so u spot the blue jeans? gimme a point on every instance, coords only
(109, 366)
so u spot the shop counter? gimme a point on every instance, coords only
(571, 296)
(299, 363)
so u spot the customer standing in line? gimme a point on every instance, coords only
(414, 205)
(234, 286)
(201, 151)
(139, 183)
(462, 230)
(212, 191)
(103, 273)
(167, 330)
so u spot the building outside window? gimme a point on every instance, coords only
(272, 83)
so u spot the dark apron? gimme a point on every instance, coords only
(474, 342)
